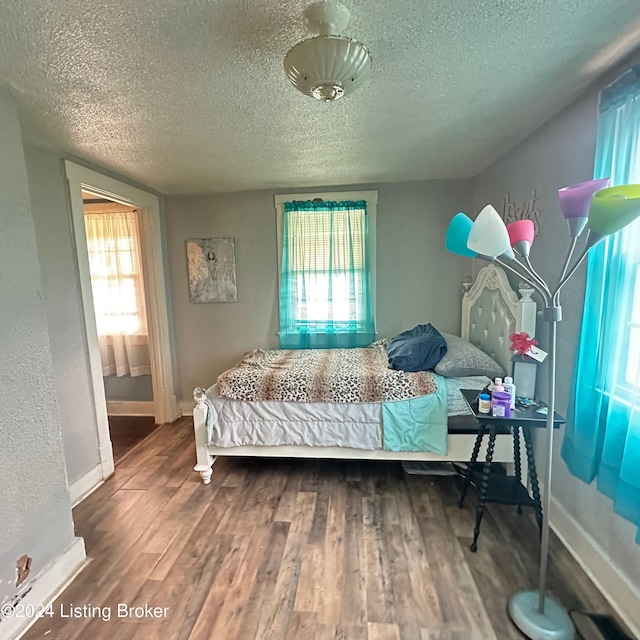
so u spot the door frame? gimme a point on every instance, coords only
(165, 405)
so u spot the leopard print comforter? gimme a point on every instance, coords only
(322, 375)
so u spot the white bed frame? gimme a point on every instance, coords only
(491, 312)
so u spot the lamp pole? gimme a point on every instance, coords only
(604, 210)
(540, 617)
(552, 315)
(536, 615)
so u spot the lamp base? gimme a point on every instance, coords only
(553, 624)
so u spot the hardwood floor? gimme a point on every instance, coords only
(297, 549)
(127, 431)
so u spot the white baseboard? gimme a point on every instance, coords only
(174, 409)
(105, 451)
(186, 407)
(46, 587)
(129, 408)
(613, 584)
(85, 485)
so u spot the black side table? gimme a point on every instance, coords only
(498, 487)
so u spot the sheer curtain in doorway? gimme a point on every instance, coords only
(113, 242)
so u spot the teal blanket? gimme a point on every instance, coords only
(417, 424)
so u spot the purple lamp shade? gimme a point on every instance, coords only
(575, 202)
(521, 233)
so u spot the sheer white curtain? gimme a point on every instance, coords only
(113, 241)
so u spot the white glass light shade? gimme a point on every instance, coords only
(328, 66)
(489, 235)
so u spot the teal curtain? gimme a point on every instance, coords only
(602, 438)
(325, 283)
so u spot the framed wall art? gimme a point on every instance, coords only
(212, 270)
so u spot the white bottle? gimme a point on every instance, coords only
(510, 388)
(497, 385)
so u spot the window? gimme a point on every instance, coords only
(326, 258)
(113, 245)
(629, 369)
(601, 438)
(116, 274)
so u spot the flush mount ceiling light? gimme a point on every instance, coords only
(327, 66)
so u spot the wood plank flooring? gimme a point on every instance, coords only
(128, 431)
(297, 549)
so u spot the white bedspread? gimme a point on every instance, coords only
(233, 423)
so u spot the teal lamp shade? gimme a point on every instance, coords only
(521, 233)
(489, 235)
(458, 234)
(613, 209)
(575, 201)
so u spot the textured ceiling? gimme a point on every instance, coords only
(190, 95)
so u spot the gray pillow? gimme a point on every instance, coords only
(463, 359)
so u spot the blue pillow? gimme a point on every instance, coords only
(418, 349)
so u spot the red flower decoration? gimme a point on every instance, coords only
(521, 342)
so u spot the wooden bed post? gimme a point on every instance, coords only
(527, 310)
(204, 459)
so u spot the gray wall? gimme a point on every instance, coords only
(63, 306)
(417, 279)
(129, 389)
(34, 502)
(561, 153)
(61, 295)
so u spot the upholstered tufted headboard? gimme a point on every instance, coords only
(492, 311)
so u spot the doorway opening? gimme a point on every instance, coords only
(117, 283)
(90, 185)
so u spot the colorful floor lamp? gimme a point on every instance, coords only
(602, 210)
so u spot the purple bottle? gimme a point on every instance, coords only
(500, 404)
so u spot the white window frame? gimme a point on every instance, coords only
(371, 198)
(624, 386)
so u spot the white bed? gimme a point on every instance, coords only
(491, 311)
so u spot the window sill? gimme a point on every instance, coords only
(136, 339)
(621, 398)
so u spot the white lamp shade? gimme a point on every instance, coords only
(328, 66)
(489, 235)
